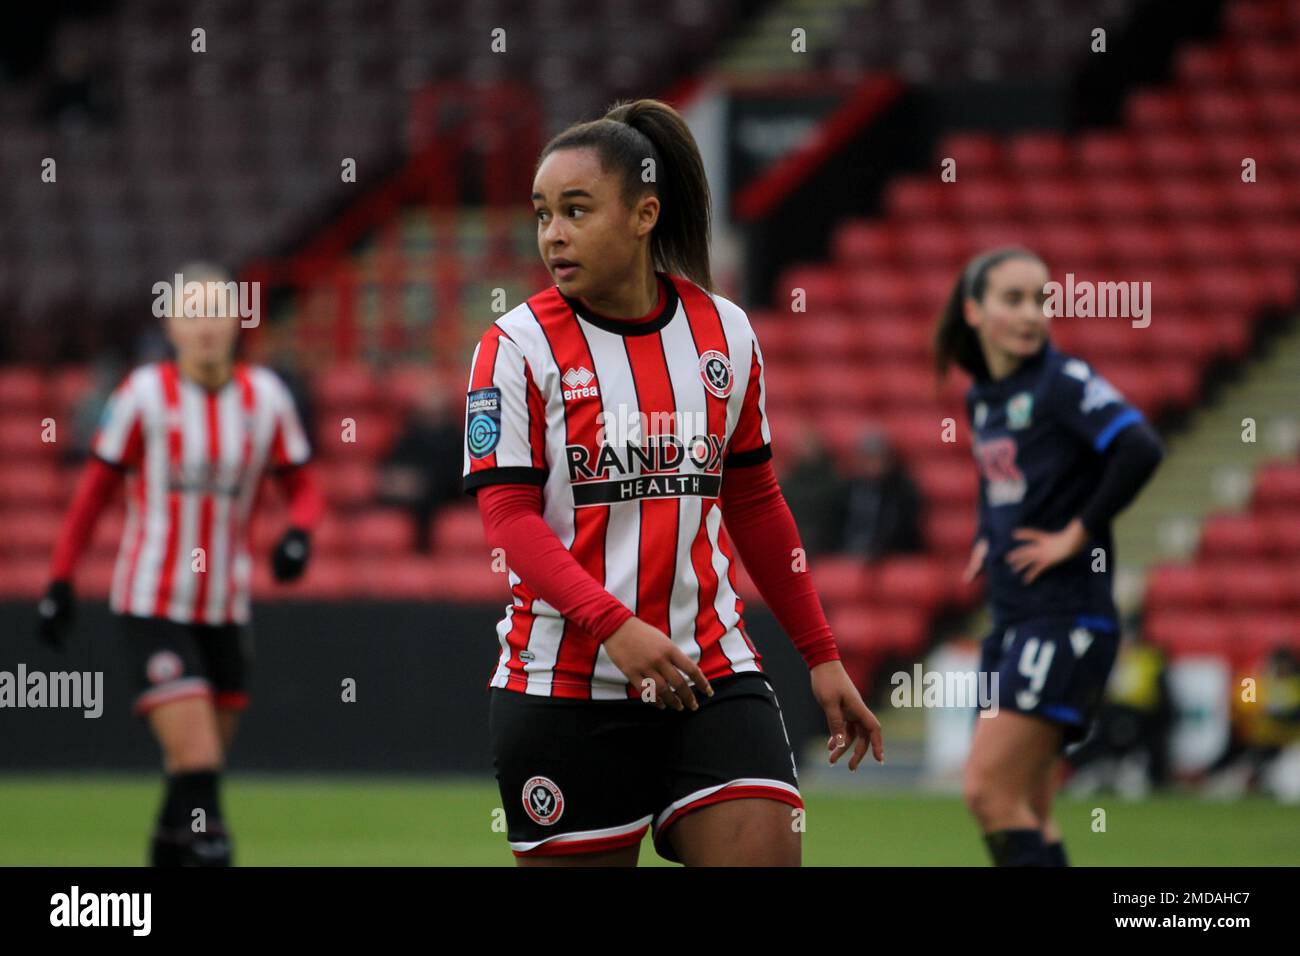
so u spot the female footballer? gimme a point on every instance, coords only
(192, 437)
(614, 422)
(1060, 454)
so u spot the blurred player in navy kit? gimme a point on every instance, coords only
(1060, 453)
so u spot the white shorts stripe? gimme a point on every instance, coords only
(579, 836)
(699, 795)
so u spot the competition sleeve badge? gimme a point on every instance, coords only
(483, 421)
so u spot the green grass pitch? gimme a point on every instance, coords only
(97, 820)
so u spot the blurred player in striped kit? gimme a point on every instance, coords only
(192, 437)
(613, 423)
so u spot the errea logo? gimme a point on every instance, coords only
(578, 383)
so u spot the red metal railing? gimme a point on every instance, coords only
(468, 146)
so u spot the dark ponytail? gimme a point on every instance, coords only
(627, 135)
(954, 340)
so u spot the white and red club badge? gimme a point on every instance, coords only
(543, 800)
(715, 370)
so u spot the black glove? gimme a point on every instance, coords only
(55, 613)
(290, 557)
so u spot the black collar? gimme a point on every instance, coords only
(996, 386)
(624, 327)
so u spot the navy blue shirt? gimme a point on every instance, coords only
(1040, 437)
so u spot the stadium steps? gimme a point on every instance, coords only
(425, 241)
(765, 51)
(1209, 468)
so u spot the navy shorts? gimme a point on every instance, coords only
(588, 776)
(1054, 669)
(170, 661)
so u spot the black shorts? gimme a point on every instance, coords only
(1053, 669)
(586, 776)
(171, 661)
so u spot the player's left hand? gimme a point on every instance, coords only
(847, 717)
(290, 557)
(1043, 549)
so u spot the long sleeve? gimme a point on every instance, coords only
(98, 483)
(759, 521)
(306, 503)
(1130, 459)
(512, 520)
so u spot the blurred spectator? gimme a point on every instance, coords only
(422, 472)
(879, 506)
(76, 93)
(280, 352)
(105, 374)
(1129, 746)
(813, 489)
(1266, 733)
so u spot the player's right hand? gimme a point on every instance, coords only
(55, 613)
(644, 653)
(976, 563)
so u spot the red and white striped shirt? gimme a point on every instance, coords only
(627, 427)
(195, 458)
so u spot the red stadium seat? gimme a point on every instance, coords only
(29, 532)
(1222, 110)
(1277, 487)
(871, 291)
(1270, 65)
(933, 242)
(381, 533)
(1037, 154)
(1241, 587)
(1153, 110)
(22, 434)
(1106, 153)
(975, 152)
(947, 483)
(912, 582)
(1122, 198)
(918, 197)
(1177, 587)
(1180, 633)
(1050, 200)
(1282, 534)
(950, 530)
(860, 243)
(22, 388)
(347, 388)
(347, 483)
(33, 483)
(823, 288)
(1165, 154)
(458, 530)
(1233, 536)
(840, 580)
(985, 198)
(1207, 66)
(1259, 634)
